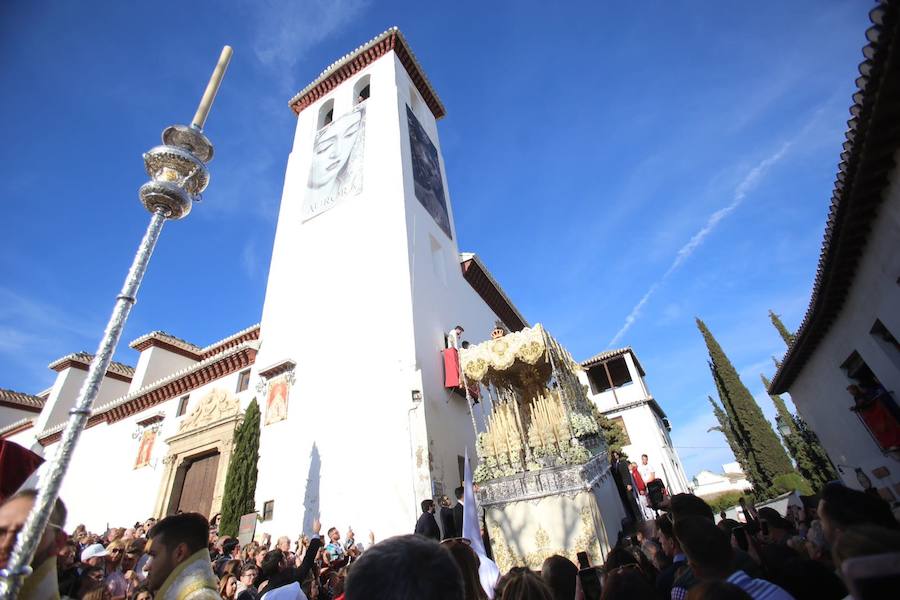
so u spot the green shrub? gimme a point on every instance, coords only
(724, 502)
(791, 482)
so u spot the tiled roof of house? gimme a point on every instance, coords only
(867, 160)
(606, 355)
(83, 359)
(21, 400)
(484, 284)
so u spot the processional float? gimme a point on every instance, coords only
(543, 479)
(178, 176)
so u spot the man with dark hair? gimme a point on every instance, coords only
(406, 567)
(458, 512)
(180, 566)
(672, 549)
(231, 550)
(334, 551)
(426, 525)
(711, 557)
(683, 505)
(561, 575)
(42, 582)
(624, 484)
(780, 529)
(842, 507)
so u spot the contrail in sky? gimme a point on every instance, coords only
(685, 252)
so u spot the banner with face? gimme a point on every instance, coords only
(336, 170)
(427, 173)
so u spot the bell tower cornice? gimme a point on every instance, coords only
(350, 64)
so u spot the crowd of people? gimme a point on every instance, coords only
(683, 553)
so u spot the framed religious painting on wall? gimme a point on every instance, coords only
(277, 400)
(145, 449)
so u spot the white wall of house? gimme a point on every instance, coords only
(707, 484)
(819, 391)
(647, 433)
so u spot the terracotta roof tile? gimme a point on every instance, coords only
(26, 401)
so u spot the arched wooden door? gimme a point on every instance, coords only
(198, 485)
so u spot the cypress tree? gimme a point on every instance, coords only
(812, 462)
(765, 455)
(816, 453)
(747, 458)
(786, 335)
(240, 483)
(727, 430)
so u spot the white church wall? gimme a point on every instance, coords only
(25, 438)
(820, 390)
(154, 364)
(9, 415)
(103, 464)
(64, 394)
(338, 302)
(441, 299)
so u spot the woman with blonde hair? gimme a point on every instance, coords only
(115, 580)
(228, 587)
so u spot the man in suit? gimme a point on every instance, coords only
(458, 512)
(622, 476)
(446, 514)
(426, 525)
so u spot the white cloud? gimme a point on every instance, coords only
(740, 193)
(286, 31)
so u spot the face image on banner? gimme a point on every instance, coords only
(427, 173)
(336, 169)
(276, 401)
(145, 450)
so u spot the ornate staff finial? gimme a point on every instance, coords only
(178, 176)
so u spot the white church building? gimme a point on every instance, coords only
(615, 384)
(365, 245)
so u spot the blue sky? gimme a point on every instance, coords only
(620, 168)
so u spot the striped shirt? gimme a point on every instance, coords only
(758, 589)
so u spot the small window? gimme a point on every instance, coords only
(268, 510)
(461, 465)
(182, 405)
(886, 341)
(243, 381)
(857, 369)
(361, 90)
(326, 114)
(621, 423)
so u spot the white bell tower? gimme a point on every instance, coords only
(364, 281)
